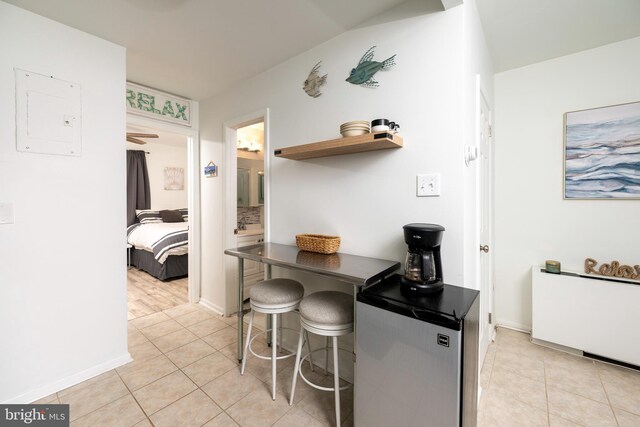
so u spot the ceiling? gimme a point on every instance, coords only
(197, 48)
(523, 32)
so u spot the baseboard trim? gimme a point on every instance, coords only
(559, 347)
(211, 306)
(69, 381)
(513, 325)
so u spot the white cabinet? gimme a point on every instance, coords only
(253, 270)
(596, 316)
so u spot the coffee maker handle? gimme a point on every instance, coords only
(426, 266)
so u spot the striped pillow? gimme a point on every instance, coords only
(148, 216)
(185, 214)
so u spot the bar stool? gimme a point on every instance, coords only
(328, 314)
(272, 297)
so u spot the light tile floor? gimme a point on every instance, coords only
(185, 373)
(528, 385)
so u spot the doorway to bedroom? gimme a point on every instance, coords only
(157, 220)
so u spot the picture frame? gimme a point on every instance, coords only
(173, 179)
(211, 170)
(602, 153)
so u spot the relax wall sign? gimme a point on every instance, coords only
(158, 105)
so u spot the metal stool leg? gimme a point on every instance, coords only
(246, 346)
(326, 354)
(336, 379)
(280, 332)
(273, 356)
(306, 338)
(297, 366)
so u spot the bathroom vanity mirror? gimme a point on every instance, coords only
(250, 182)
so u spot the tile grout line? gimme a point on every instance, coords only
(615, 417)
(547, 386)
(125, 384)
(583, 396)
(569, 392)
(147, 416)
(106, 404)
(265, 383)
(136, 400)
(200, 387)
(546, 390)
(164, 376)
(530, 379)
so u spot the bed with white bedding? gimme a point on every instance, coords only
(159, 248)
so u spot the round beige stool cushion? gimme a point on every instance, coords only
(328, 308)
(277, 291)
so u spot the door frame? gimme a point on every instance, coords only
(193, 194)
(230, 214)
(487, 329)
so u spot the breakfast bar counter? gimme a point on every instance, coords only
(352, 269)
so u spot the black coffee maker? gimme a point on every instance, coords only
(422, 267)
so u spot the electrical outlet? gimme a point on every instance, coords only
(428, 185)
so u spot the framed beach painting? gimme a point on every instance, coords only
(602, 153)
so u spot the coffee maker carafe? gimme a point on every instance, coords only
(422, 267)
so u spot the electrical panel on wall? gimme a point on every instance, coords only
(48, 115)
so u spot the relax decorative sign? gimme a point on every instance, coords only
(158, 105)
(614, 269)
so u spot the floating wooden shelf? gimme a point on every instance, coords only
(335, 147)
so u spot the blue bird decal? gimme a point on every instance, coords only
(363, 73)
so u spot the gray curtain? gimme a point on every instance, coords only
(138, 193)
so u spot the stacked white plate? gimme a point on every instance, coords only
(354, 128)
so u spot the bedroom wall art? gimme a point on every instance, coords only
(602, 153)
(174, 179)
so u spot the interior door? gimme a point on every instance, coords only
(485, 221)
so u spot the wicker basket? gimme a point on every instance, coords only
(318, 243)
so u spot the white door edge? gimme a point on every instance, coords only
(483, 109)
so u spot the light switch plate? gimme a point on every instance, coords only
(6, 213)
(428, 185)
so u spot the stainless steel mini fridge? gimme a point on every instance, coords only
(416, 357)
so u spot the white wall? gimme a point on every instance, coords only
(364, 198)
(533, 222)
(63, 270)
(161, 156)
